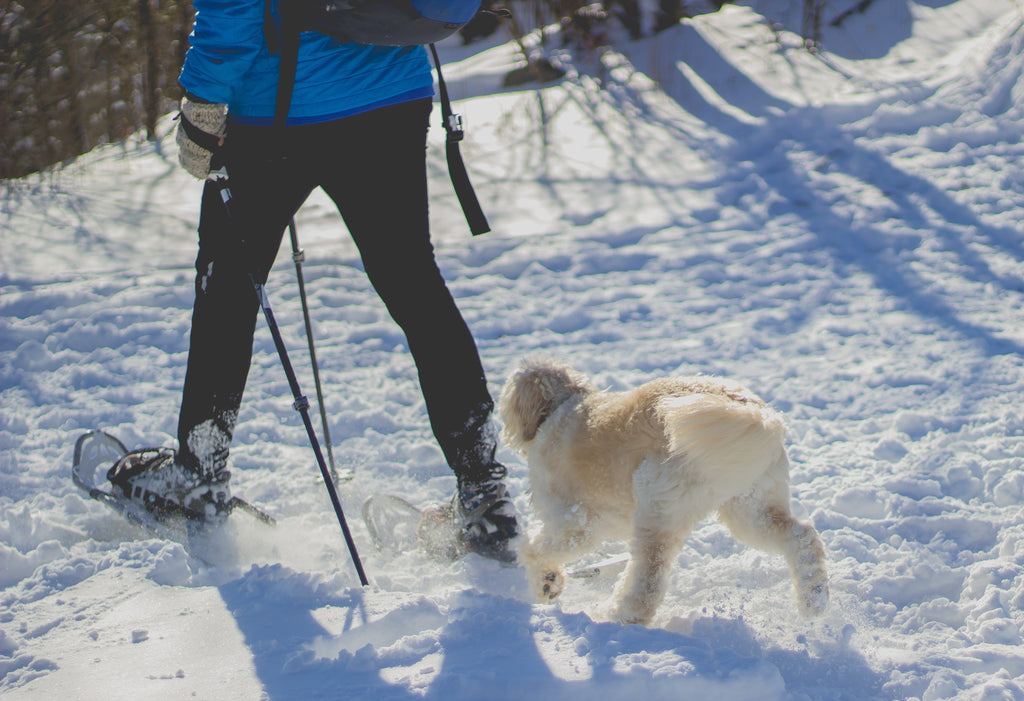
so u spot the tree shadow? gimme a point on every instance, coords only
(843, 28)
(784, 149)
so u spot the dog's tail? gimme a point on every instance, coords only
(736, 440)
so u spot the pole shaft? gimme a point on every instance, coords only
(301, 404)
(298, 256)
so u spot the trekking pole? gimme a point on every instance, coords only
(299, 257)
(286, 43)
(219, 176)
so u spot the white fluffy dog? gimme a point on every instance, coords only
(650, 464)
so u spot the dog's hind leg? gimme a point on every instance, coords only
(761, 518)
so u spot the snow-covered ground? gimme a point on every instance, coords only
(841, 231)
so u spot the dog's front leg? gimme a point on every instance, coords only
(544, 558)
(545, 570)
(643, 584)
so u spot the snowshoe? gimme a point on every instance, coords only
(444, 531)
(439, 534)
(591, 569)
(392, 523)
(397, 526)
(132, 488)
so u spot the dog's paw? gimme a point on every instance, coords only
(551, 585)
(810, 574)
(813, 600)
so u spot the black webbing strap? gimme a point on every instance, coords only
(270, 29)
(207, 141)
(456, 168)
(289, 43)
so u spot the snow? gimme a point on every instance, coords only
(840, 231)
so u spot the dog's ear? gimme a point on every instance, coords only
(521, 408)
(531, 394)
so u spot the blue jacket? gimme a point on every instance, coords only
(229, 62)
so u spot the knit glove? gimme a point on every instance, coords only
(201, 128)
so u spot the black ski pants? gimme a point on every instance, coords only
(373, 166)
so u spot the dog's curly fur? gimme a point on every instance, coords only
(650, 464)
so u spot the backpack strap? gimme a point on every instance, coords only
(270, 29)
(475, 216)
(286, 76)
(286, 41)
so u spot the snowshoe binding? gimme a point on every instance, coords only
(150, 489)
(154, 479)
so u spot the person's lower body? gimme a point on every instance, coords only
(374, 168)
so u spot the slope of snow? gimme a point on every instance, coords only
(839, 230)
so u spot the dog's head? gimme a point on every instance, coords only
(535, 390)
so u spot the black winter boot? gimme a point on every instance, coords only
(485, 514)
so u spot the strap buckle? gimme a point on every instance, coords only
(453, 125)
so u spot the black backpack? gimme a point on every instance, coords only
(380, 23)
(383, 22)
